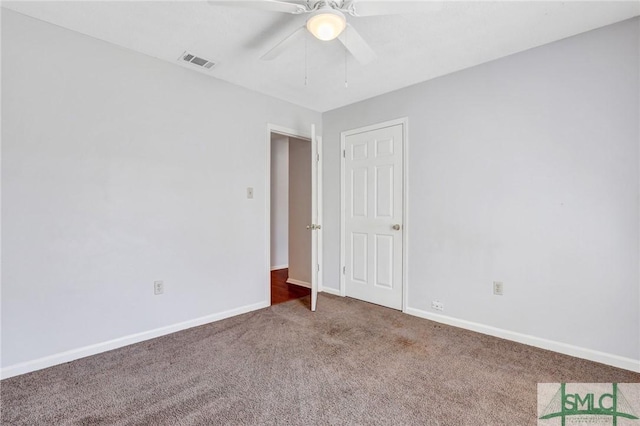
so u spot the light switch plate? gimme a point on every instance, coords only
(158, 287)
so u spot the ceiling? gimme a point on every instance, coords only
(411, 47)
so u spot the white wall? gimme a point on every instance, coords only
(279, 201)
(522, 170)
(299, 210)
(117, 170)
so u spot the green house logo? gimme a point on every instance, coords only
(589, 403)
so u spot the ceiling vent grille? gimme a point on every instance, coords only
(196, 60)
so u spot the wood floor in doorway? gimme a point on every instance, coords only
(283, 292)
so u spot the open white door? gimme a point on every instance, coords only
(310, 215)
(315, 226)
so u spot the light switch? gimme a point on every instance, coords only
(249, 192)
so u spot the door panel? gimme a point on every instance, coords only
(384, 191)
(360, 257)
(384, 261)
(359, 182)
(373, 194)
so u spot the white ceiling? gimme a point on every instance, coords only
(411, 48)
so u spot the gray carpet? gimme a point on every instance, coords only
(349, 363)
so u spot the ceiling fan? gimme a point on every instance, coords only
(327, 20)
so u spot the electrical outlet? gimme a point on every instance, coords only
(498, 288)
(437, 305)
(158, 287)
(249, 193)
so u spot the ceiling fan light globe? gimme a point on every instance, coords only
(326, 24)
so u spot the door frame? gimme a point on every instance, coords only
(299, 134)
(404, 121)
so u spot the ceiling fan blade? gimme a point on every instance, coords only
(268, 5)
(356, 45)
(375, 8)
(283, 45)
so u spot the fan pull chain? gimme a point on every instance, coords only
(346, 81)
(305, 61)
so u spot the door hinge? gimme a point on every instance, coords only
(318, 158)
(344, 270)
(344, 153)
(318, 267)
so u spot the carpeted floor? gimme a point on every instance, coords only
(349, 363)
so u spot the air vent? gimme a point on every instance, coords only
(197, 61)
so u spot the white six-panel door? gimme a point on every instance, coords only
(373, 214)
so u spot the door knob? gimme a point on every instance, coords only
(396, 227)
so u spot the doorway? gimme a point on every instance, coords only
(373, 232)
(294, 225)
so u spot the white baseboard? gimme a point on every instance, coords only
(331, 291)
(62, 357)
(538, 342)
(576, 351)
(275, 268)
(298, 282)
